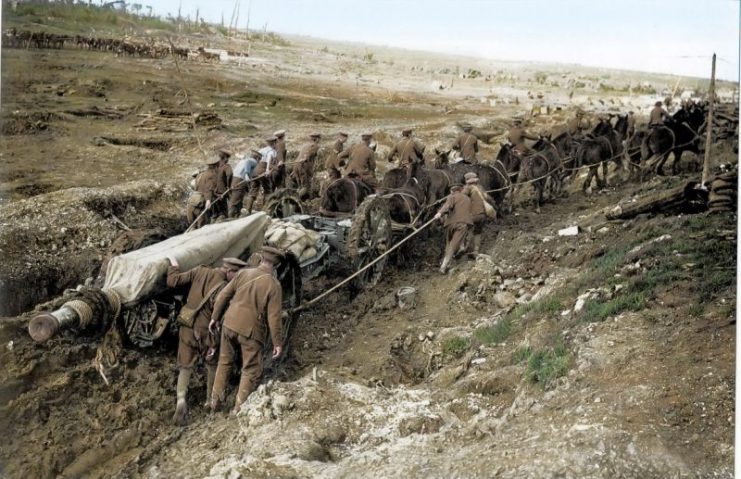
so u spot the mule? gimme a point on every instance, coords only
(680, 134)
(534, 169)
(343, 196)
(492, 178)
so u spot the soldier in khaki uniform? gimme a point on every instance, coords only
(576, 125)
(223, 182)
(280, 156)
(468, 144)
(205, 193)
(631, 124)
(361, 161)
(458, 210)
(303, 170)
(334, 163)
(196, 342)
(517, 136)
(478, 209)
(408, 149)
(657, 116)
(253, 304)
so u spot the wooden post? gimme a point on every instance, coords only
(708, 138)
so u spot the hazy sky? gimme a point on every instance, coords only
(667, 36)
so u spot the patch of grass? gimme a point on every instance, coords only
(456, 347)
(521, 354)
(695, 310)
(495, 334)
(595, 310)
(546, 365)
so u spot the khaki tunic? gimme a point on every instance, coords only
(195, 341)
(254, 299)
(408, 149)
(223, 179)
(478, 210)
(334, 162)
(657, 115)
(458, 208)
(280, 149)
(468, 144)
(362, 162)
(206, 186)
(517, 137)
(304, 168)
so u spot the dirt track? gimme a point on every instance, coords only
(648, 393)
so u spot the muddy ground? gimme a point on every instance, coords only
(493, 374)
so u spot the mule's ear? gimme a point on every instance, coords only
(437, 152)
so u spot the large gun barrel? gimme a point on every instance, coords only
(92, 309)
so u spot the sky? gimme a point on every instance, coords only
(663, 36)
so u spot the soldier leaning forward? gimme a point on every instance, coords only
(481, 209)
(195, 341)
(303, 171)
(205, 193)
(223, 183)
(334, 162)
(458, 210)
(262, 173)
(253, 303)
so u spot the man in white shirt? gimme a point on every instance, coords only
(260, 178)
(243, 171)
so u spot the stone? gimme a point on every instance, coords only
(504, 299)
(420, 425)
(570, 231)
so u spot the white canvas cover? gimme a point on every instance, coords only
(140, 273)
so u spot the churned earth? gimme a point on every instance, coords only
(605, 354)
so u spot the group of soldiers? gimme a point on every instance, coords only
(244, 302)
(233, 309)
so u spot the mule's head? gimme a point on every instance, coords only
(442, 158)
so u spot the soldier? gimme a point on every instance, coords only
(631, 124)
(205, 193)
(576, 125)
(408, 149)
(361, 161)
(479, 200)
(223, 182)
(334, 163)
(261, 174)
(303, 170)
(253, 303)
(195, 341)
(517, 136)
(657, 116)
(240, 182)
(458, 219)
(467, 144)
(276, 177)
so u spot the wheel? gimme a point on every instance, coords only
(283, 203)
(146, 322)
(369, 237)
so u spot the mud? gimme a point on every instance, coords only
(367, 388)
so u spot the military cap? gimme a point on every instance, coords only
(467, 127)
(342, 133)
(280, 133)
(315, 135)
(471, 177)
(271, 138)
(456, 187)
(224, 151)
(212, 160)
(406, 131)
(366, 135)
(270, 254)
(234, 263)
(658, 103)
(256, 154)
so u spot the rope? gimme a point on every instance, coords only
(302, 307)
(83, 310)
(114, 299)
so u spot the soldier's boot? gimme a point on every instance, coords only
(210, 376)
(444, 266)
(248, 205)
(181, 409)
(476, 244)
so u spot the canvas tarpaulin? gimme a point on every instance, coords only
(141, 273)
